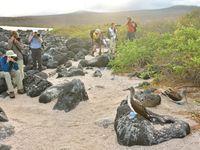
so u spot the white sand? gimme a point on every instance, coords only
(38, 127)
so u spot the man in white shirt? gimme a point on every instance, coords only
(112, 35)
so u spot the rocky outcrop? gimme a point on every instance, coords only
(5, 147)
(51, 93)
(147, 98)
(6, 130)
(53, 57)
(3, 86)
(139, 131)
(99, 61)
(34, 85)
(73, 71)
(3, 116)
(73, 93)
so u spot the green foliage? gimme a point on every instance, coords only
(191, 19)
(177, 49)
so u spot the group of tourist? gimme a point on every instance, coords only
(12, 62)
(98, 37)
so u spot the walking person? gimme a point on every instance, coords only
(9, 70)
(35, 41)
(131, 27)
(96, 36)
(17, 47)
(112, 35)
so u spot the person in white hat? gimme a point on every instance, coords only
(9, 69)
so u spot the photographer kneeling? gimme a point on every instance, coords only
(9, 69)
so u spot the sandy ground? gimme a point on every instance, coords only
(38, 127)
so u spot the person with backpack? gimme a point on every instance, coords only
(35, 41)
(131, 27)
(17, 47)
(112, 35)
(96, 37)
(9, 70)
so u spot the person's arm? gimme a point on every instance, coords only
(4, 64)
(30, 38)
(15, 66)
(19, 44)
(40, 39)
(10, 44)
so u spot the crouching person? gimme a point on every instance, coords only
(9, 70)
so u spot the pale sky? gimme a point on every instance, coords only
(43, 7)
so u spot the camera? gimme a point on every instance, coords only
(18, 39)
(14, 58)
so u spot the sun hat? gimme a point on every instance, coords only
(97, 31)
(10, 53)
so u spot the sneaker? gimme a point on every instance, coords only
(12, 95)
(21, 91)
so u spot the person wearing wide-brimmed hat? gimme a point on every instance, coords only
(9, 69)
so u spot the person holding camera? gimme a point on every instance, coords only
(35, 41)
(17, 47)
(112, 35)
(9, 70)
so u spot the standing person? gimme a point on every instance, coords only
(17, 47)
(131, 26)
(9, 70)
(35, 41)
(112, 35)
(96, 36)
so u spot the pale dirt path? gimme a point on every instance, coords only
(38, 127)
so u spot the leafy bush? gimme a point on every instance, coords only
(178, 50)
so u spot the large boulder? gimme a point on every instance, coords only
(3, 45)
(51, 93)
(53, 57)
(6, 130)
(3, 86)
(79, 55)
(75, 43)
(73, 93)
(139, 131)
(99, 61)
(3, 116)
(148, 99)
(73, 71)
(34, 85)
(5, 147)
